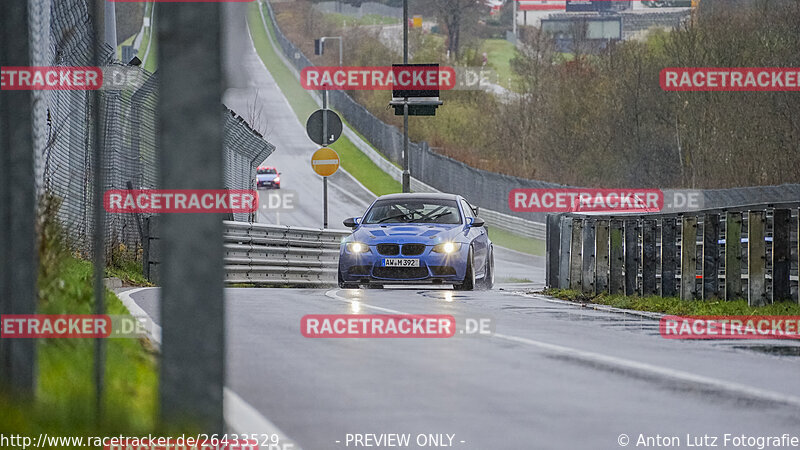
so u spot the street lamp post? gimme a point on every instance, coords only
(406, 173)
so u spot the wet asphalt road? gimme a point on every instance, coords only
(551, 375)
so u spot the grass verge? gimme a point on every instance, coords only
(676, 306)
(352, 159)
(64, 393)
(516, 242)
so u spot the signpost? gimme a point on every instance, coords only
(325, 163)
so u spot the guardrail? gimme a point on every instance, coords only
(746, 252)
(266, 255)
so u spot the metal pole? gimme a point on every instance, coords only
(98, 245)
(192, 372)
(325, 141)
(514, 21)
(341, 52)
(19, 266)
(406, 173)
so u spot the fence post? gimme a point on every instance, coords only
(649, 257)
(575, 254)
(781, 255)
(587, 280)
(19, 269)
(733, 255)
(552, 250)
(192, 371)
(631, 256)
(565, 247)
(669, 256)
(710, 256)
(756, 259)
(688, 257)
(616, 258)
(601, 256)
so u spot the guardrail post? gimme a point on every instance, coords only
(565, 249)
(781, 255)
(552, 250)
(733, 256)
(688, 257)
(756, 259)
(587, 280)
(649, 257)
(669, 256)
(616, 258)
(575, 254)
(710, 256)
(631, 256)
(601, 256)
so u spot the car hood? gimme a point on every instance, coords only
(423, 233)
(266, 176)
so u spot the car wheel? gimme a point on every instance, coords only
(487, 282)
(469, 275)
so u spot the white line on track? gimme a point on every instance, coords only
(242, 417)
(622, 363)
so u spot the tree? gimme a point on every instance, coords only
(454, 14)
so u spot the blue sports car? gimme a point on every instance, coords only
(417, 238)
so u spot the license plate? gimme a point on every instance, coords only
(400, 262)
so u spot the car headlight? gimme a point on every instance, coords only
(357, 247)
(447, 247)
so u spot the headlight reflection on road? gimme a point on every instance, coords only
(355, 307)
(448, 296)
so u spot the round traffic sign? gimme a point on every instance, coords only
(325, 162)
(314, 127)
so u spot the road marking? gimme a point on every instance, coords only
(635, 366)
(239, 415)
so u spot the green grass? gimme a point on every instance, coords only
(499, 53)
(370, 19)
(64, 403)
(352, 159)
(676, 306)
(516, 242)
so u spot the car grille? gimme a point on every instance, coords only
(400, 273)
(413, 249)
(388, 249)
(443, 270)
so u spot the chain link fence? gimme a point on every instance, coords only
(62, 35)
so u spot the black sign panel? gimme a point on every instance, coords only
(314, 127)
(415, 77)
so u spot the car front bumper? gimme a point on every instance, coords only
(364, 268)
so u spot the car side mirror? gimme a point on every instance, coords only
(352, 222)
(475, 210)
(477, 222)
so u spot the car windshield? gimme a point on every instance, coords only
(414, 211)
(267, 171)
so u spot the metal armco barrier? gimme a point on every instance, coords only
(747, 252)
(267, 255)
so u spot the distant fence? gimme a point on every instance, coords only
(746, 252)
(63, 131)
